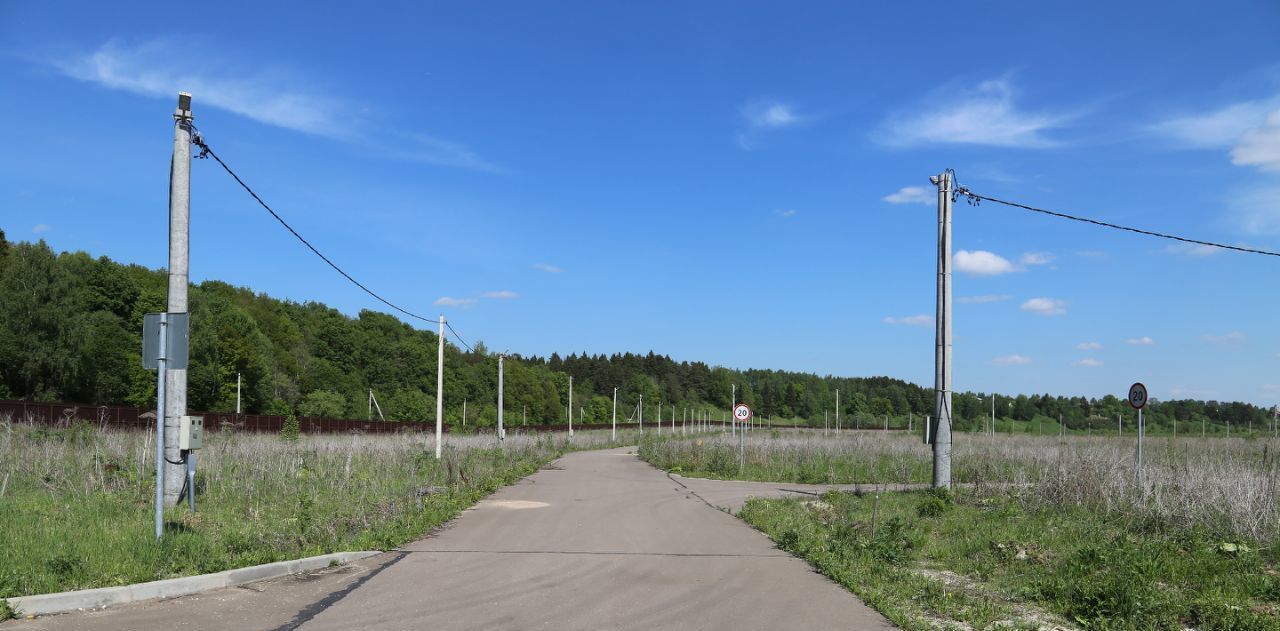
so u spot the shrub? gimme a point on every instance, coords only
(290, 429)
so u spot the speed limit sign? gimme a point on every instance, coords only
(1138, 396)
(741, 412)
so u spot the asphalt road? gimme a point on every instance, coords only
(598, 540)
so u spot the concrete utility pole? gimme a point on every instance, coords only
(942, 349)
(502, 434)
(640, 414)
(237, 393)
(659, 417)
(440, 388)
(615, 413)
(571, 406)
(179, 259)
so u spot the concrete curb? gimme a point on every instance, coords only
(62, 602)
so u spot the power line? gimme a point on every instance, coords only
(206, 151)
(974, 197)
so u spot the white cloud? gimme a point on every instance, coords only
(1234, 337)
(1257, 211)
(1036, 258)
(446, 301)
(500, 295)
(1088, 346)
(785, 212)
(162, 68)
(1260, 146)
(915, 320)
(1251, 129)
(41, 227)
(982, 263)
(985, 116)
(911, 195)
(255, 89)
(1092, 254)
(1011, 360)
(1087, 363)
(1045, 306)
(1140, 341)
(550, 269)
(1192, 249)
(769, 115)
(977, 300)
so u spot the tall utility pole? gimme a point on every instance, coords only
(837, 410)
(640, 414)
(175, 402)
(440, 388)
(659, 417)
(237, 393)
(942, 348)
(993, 415)
(502, 433)
(615, 413)
(570, 406)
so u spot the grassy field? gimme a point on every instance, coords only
(1045, 530)
(76, 504)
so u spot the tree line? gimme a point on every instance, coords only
(71, 326)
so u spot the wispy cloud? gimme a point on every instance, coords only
(785, 212)
(161, 68)
(1088, 346)
(271, 94)
(1250, 129)
(1045, 306)
(982, 263)
(446, 301)
(1092, 254)
(1193, 250)
(768, 115)
(915, 320)
(764, 116)
(1087, 363)
(1011, 360)
(977, 300)
(911, 195)
(550, 269)
(986, 115)
(1140, 341)
(499, 295)
(1257, 210)
(1036, 258)
(41, 228)
(1234, 337)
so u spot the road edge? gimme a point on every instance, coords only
(64, 602)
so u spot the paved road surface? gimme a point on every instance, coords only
(598, 540)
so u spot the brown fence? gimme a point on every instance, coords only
(122, 416)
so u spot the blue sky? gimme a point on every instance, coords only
(740, 183)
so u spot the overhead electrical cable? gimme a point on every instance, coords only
(207, 151)
(974, 198)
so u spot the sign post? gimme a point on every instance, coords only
(1138, 399)
(741, 415)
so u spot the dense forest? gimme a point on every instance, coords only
(70, 330)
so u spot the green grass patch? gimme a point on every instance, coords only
(990, 561)
(76, 505)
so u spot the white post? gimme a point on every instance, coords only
(175, 402)
(733, 402)
(464, 412)
(659, 417)
(502, 433)
(237, 393)
(640, 414)
(837, 410)
(615, 413)
(570, 406)
(440, 388)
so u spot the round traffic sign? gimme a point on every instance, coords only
(742, 412)
(1138, 395)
